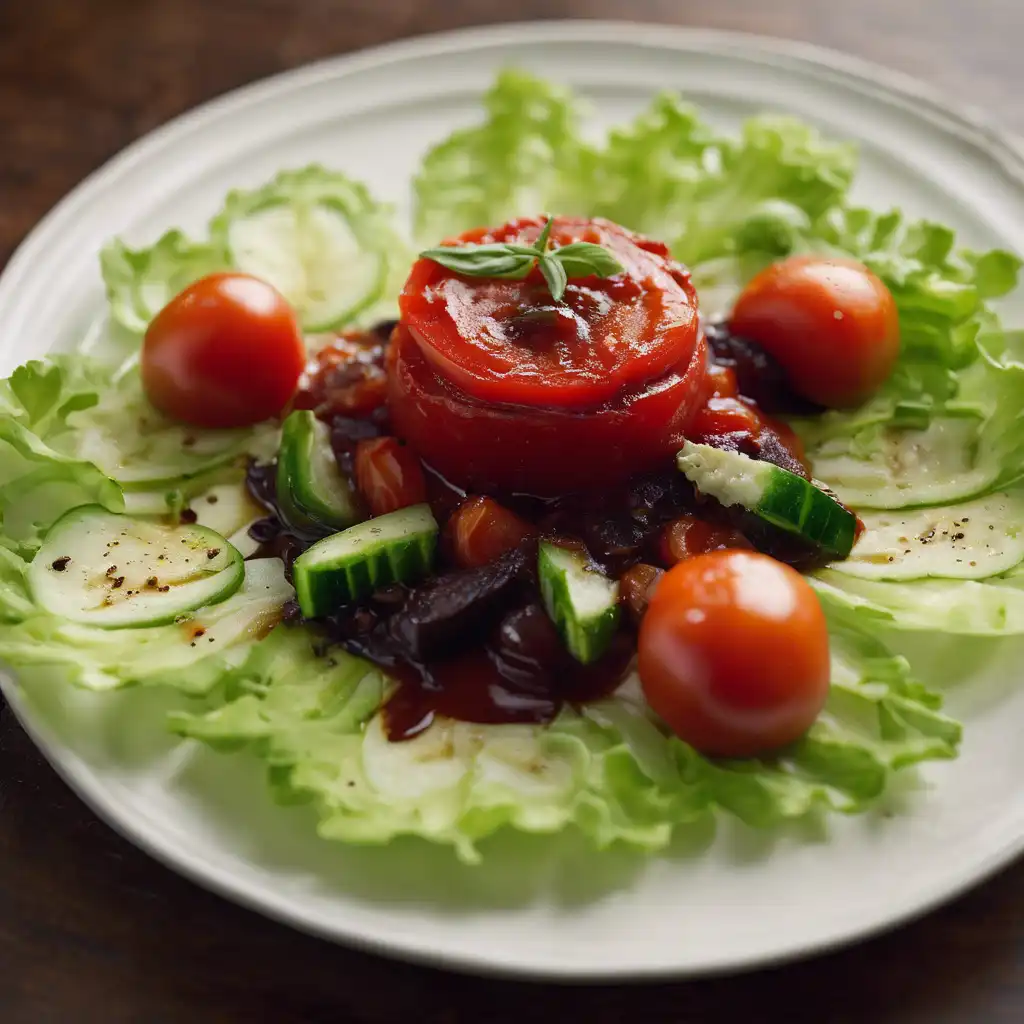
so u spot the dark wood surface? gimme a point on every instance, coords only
(92, 930)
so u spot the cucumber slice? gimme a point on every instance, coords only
(973, 540)
(905, 468)
(310, 488)
(395, 548)
(581, 601)
(779, 497)
(145, 451)
(317, 237)
(114, 571)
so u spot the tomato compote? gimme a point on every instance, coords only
(498, 386)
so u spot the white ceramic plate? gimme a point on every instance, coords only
(537, 907)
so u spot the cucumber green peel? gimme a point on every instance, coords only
(310, 487)
(581, 601)
(779, 497)
(394, 548)
(114, 571)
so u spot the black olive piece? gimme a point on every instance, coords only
(453, 610)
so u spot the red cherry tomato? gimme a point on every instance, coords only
(508, 341)
(733, 653)
(482, 530)
(388, 475)
(225, 352)
(831, 324)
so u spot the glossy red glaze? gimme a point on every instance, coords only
(488, 446)
(507, 341)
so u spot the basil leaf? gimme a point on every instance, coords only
(554, 275)
(545, 235)
(584, 259)
(482, 260)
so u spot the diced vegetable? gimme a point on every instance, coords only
(779, 497)
(582, 602)
(310, 487)
(396, 548)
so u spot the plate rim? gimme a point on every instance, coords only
(864, 76)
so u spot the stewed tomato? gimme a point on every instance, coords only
(225, 352)
(487, 446)
(733, 653)
(831, 323)
(482, 530)
(500, 387)
(388, 475)
(507, 341)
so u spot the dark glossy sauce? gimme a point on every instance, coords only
(476, 644)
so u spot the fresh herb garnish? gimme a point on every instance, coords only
(512, 261)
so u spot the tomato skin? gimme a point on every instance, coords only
(482, 530)
(733, 653)
(506, 341)
(388, 475)
(636, 587)
(688, 537)
(225, 352)
(831, 323)
(490, 447)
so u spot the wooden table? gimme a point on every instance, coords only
(91, 929)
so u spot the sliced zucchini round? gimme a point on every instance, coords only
(972, 540)
(581, 601)
(781, 498)
(310, 487)
(116, 571)
(394, 548)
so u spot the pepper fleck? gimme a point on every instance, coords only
(117, 583)
(60, 564)
(212, 552)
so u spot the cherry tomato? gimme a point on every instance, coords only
(831, 324)
(687, 537)
(487, 446)
(388, 475)
(482, 530)
(225, 352)
(733, 653)
(508, 341)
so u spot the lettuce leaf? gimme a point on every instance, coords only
(317, 235)
(611, 770)
(76, 430)
(38, 480)
(710, 196)
(992, 607)
(140, 282)
(526, 156)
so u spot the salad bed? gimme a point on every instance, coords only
(931, 457)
